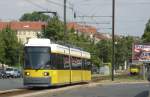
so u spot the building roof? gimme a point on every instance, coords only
(82, 28)
(101, 36)
(15, 25)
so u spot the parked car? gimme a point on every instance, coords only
(3, 74)
(17, 73)
(12, 72)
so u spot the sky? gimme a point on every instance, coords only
(131, 15)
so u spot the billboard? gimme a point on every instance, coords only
(141, 52)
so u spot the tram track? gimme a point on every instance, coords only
(28, 91)
(32, 91)
(15, 92)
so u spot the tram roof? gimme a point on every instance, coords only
(57, 48)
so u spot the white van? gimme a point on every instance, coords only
(12, 72)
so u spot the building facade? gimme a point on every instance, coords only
(24, 30)
(88, 31)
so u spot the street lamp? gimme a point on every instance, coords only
(53, 12)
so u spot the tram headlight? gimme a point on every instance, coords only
(46, 73)
(27, 73)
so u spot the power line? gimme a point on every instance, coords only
(95, 16)
(134, 2)
(36, 5)
(92, 22)
(58, 4)
(125, 3)
(82, 2)
(103, 28)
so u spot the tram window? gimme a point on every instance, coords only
(57, 61)
(76, 63)
(83, 63)
(60, 63)
(53, 61)
(66, 62)
(87, 64)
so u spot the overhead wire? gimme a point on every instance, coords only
(92, 17)
(58, 4)
(40, 7)
(35, 4)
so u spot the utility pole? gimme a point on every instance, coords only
(113, 38)
(65, 28)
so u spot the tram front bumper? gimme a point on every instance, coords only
(37, 81)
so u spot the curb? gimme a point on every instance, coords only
(12, 90)
(109, 83)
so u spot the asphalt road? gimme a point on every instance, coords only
(113, 90)
(8, 84)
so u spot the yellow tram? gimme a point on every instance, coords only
(134, 69)
(48, 64)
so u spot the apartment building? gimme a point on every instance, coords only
(86, 30)
(24, 30)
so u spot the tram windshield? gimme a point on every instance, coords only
(37, 57)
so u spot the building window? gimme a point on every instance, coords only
(21, 33)
(24, 33)
(32, 33)
(29, 33)
(18, 33)
(27, 39)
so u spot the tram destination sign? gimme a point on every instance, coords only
(141, 52)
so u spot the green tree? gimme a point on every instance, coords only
(2, 49)
(11, 46)
(146, 35)
(104, 50)
(34, 16)
(123, 50)
(53, 30)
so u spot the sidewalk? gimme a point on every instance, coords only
(122, 81)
